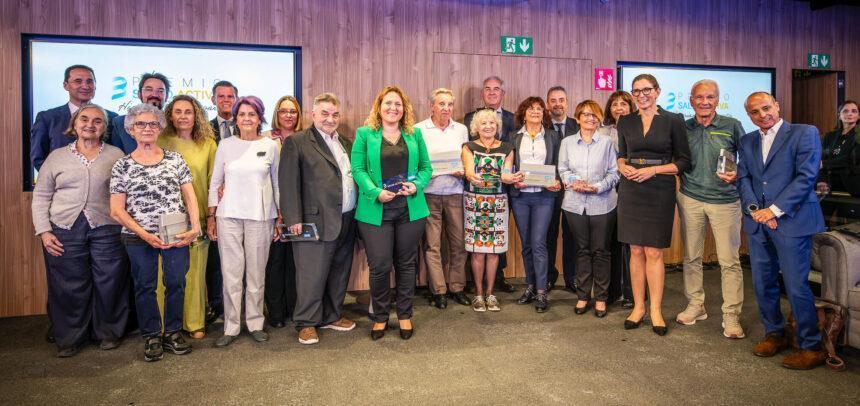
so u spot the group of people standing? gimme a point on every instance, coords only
(615, 183)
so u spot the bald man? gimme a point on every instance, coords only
(777, 170)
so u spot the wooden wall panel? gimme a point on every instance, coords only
(354, 48)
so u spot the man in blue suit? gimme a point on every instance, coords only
(48, 131)
(777, 169)
(153, 89)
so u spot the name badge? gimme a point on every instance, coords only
(261, 153)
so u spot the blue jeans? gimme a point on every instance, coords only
(144, 271)
(533, 212)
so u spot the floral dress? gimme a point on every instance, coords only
(486, 207)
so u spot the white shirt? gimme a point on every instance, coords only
(438, 140)
(248, 170)
(221, 121)
(532, 151)
(73, 109)
(349, 192)
(767, 138)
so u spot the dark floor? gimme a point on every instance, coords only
(456, 356)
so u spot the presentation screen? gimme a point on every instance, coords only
(268, 72)
(736, 83)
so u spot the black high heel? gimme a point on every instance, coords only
(377, 334)
(406, 334)
(659, 330)
(630, 324)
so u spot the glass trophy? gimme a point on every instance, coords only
(726, 162)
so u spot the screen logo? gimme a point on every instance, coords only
(119, 86)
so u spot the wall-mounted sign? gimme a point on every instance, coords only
(604, 79)
(517, 45)
(818, 61)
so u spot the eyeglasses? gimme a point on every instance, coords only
(646, 91)
(535, 108)
(283, 112)
(141, 125)
(588, 115)
(154, 90)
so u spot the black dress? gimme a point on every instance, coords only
(840, 160)
(646, 210)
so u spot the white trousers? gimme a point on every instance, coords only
(244, 249)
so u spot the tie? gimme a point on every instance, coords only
(560, 129)
(225, 129)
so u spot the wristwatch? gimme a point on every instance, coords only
(752, 207)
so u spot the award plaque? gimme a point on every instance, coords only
(446, 163)
(171, 224)
(726, 162)
(308, 233)
(538, 175)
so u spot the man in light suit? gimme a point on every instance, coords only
(48, 131)
(492, 95)
(778, 166)
(153, 88)
(224, 95)
(316, 187)
(556, 102)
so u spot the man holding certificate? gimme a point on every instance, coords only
(536, 147)
(445, 138)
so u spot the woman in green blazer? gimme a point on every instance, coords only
(391, 166)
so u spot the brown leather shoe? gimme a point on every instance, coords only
(804, 359)
(342, 324)
(771, 345)
(308, 335)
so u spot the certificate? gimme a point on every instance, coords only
(538, 175)
(446, 162)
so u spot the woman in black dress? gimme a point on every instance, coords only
(652, 149)
(840, 155)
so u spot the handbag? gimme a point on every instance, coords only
(831, 322)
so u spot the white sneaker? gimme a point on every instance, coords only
(691, 315)
(732, 326)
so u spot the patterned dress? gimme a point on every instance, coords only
(486, 208)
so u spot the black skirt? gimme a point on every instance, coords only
(646, 211)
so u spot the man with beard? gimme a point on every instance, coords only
(556, 102)
(153, 89)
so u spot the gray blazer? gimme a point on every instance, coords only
(552, 141)
(66, 187)
(310, 182)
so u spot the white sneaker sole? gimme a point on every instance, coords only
(494, 309)
(309, 342)
(479, 310)
(337, 328)
(734, 337)
(698, 318)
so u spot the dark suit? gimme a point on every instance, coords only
(312, 192)
(785, 179)
(119, 137)
(568, 242)
(508, 125)
(216, 128)
(47, 133)
(214, 280)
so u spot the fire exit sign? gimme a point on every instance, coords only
(517, 45)
(819, 61)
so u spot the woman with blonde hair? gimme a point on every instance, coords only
(280, 294)
(391, 166)
(189, 134)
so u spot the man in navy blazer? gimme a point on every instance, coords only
(48, 131)
(492, 94)
(152, 88)
(777, 169)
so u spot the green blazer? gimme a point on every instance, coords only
(367, 173)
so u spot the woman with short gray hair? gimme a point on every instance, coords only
(146, 184)
(85, 265)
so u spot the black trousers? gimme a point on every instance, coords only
(322, 276)
(280, 293)
(214, 280)
(392, 243)
(88, 284)
(593, 236)
(619, 280)
(568, 246)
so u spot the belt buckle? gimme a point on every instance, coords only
(639, 161)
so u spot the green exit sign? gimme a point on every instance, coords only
(517, 45)
(819, 61)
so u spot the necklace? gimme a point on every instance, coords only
(486, 148)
